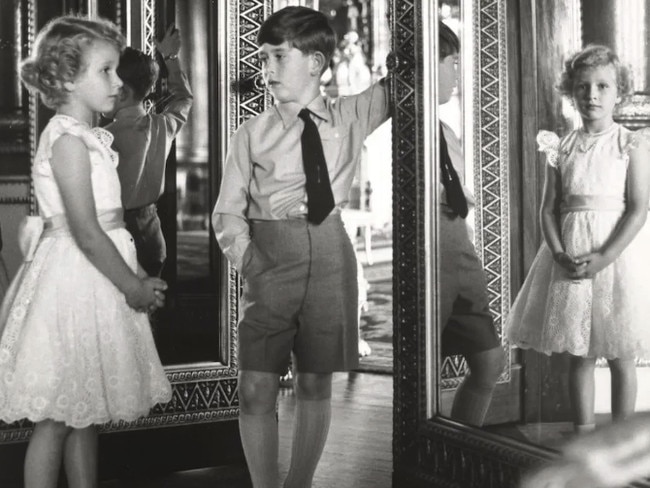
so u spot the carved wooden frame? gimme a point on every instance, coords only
(429, 450)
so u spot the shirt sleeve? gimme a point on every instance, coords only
(371, 107)
(229, 217)
(178, 108)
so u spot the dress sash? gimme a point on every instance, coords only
(585, 203)
(32, 230)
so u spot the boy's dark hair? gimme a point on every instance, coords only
(448, 40)
(138, 71)
(303, 28)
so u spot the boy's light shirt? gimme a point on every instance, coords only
(263, 176)
(143, 141)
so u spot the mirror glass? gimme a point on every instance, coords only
(360, 59)
(187, 330)
(532, 400)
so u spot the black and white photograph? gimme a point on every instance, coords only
(324, 243)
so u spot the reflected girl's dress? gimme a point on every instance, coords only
(72, 349)
(609, 315)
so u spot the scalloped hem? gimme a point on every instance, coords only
(549, 352)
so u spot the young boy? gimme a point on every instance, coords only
(277, 219)
(143, 141)
(468, 327)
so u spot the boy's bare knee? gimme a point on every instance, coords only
(258, 391)
(486, 366)
(313, 386)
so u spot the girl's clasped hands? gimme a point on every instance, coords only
(147, 293)
(583, 267)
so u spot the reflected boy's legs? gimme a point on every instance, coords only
(582, 391)
(474, 395)
(624, 387)
(468, 324)
(258, 426)
(311, 426)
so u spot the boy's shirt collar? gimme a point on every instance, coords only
(289, 111)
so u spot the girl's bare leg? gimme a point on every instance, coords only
(624, 388)
(80, 458)
(44, 454)
(582, 391)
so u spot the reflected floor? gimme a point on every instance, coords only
(548, 434)
(555, 434)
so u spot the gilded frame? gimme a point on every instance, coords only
(429, 450)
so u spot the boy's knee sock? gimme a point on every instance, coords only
(259, 438)
(471, 403)
(310, 429)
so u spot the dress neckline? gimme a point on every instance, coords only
(70, 117)
(583, 132)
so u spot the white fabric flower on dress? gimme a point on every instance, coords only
(549, 143)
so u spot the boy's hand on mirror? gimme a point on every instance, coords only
(170, 45)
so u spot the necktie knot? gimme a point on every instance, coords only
(305, 114)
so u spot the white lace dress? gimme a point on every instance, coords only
(609, 315)
(72, 350)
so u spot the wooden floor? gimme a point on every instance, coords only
(358, 453)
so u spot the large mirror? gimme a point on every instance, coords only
(510, 60)
(535, 396)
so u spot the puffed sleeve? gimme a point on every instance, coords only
(636, 139)
(549, 143)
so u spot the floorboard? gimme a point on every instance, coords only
(358, 453)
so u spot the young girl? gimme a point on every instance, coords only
(588, 290)
(76, 349)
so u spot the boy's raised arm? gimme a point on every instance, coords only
(177, 108)
(371, 107)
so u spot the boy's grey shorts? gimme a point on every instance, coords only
(465, 315)
(300, 294)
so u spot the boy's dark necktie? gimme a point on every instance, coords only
(453, 189)
(320, 200)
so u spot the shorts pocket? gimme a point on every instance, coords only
(255, 261)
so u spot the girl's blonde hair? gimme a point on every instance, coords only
(57, 56)
(592, 56)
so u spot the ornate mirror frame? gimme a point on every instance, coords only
(202, 392)
(430, 449)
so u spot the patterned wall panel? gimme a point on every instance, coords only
(491, 171)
